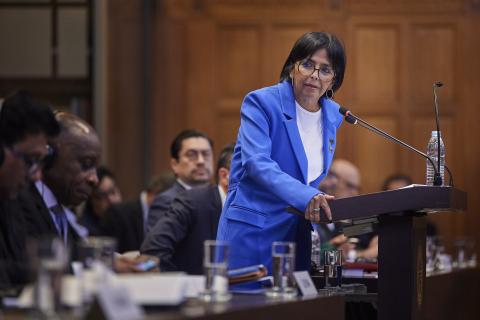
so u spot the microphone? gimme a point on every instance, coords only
(353, 119)
(437, 175)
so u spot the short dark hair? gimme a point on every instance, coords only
(184, 135)
(103, 172)
(225, 157)
(21, 115)
(160, 182)
(308, 44)
(396, 177)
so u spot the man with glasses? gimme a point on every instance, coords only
(25, 127)
(192, 163)
(342, 181)
(177, 237)
(67, 180)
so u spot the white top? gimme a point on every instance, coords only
(310, 128)
(184, 184)
(144, 204)
(223, 195)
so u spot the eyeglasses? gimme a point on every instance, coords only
(348, 184)
(32, 162)
(307, 68)
(193, 155)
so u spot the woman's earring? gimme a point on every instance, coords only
(329, 94)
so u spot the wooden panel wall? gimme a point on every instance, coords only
(124, 110)
(208, 54)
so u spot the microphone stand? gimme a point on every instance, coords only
(353, 119)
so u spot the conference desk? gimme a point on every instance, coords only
(453, 295)
(252, 307)
(241, 307)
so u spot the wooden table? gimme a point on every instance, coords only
(241, 307)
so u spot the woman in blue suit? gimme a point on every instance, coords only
(284, 148)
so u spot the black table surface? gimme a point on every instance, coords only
(243, 307)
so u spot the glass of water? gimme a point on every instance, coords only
(333, 268)
(48, 258)
(215, 264)
(96, 255)
(283, 266)
(94, 250)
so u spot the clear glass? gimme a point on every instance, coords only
(464, 256)
(96, 256)
(215, 264)
(48, 257)
(283, 266)
(431, 248)
(333, 268)
(316, 251)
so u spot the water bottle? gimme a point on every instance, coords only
(432, 152)
(316, 250)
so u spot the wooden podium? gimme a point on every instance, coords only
(402, 233)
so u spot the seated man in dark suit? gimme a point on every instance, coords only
(127, 221)
(25, 126)
(192, 162)
(68, 179)
(177, 237)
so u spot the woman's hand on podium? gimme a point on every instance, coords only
(318, 202)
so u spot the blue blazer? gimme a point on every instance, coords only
(268, 173)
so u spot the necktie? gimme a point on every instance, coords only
(60, 220)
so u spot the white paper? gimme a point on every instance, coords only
(144, 289)
(117, 304)
(154, 289)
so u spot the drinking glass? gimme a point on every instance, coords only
(283, 266)
(215, 264)
(48, 257)
(333, 268)
(96, 256)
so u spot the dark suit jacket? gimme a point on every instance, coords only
(177, 237)
(92, 222)
(38, 221)
(161, 203)
(14, 267)
(124, 222)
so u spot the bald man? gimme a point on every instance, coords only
(342, 181)
(68, 180)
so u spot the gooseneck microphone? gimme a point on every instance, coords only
(438, 174)
(353, 119)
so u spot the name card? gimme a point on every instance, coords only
(116, 303)
(305, 283)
